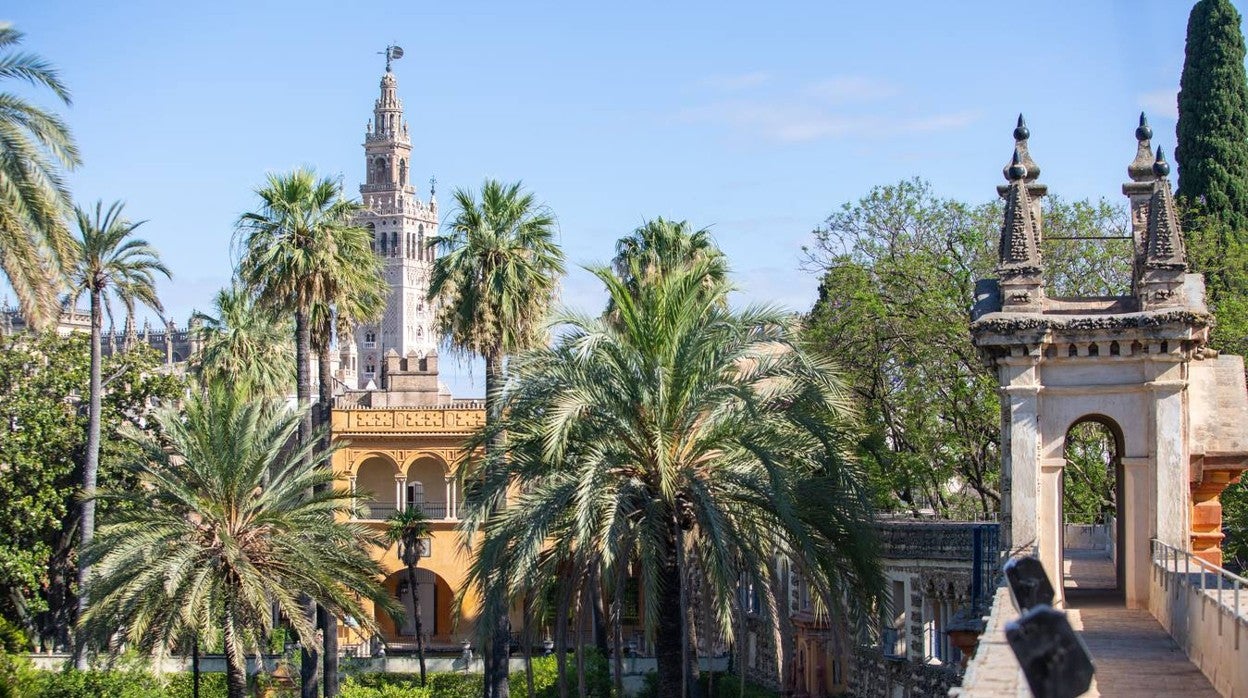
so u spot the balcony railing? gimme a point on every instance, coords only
(380, 512)
(1215, 582)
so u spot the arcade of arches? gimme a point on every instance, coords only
(400, 459)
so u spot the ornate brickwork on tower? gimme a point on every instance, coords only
(401, 223)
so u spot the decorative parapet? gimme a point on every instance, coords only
(930, 540)
(450, 419)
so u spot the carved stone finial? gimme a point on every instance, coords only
(1143, 132)
(1021, 135)
(1164, 247)
(1161, 168)
(1021, 132)
(1018, 254)
(1141, 168)
(1017, 170)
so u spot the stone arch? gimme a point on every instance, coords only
(374, 476)
(428, 478)
(1090, 541)
(436, 598)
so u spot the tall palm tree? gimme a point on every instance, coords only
(223, 529)
(109, 264)
(245, 345)
(356, 277)
(660, 245)
(289, 259)
(682, 436)
(407, 529)
(35, 244)
(494, 283)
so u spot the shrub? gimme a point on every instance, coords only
(211, 685)
(352, 688)
(117, 683)
(456, 685)
(546, 677)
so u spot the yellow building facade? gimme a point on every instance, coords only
(397, 458)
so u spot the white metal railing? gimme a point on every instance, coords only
(1199, 574)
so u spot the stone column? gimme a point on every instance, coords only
(1049, 523)
(400, 493)
(1020, 452)
(1206, 533)
(1136, 506)
(1172, 484)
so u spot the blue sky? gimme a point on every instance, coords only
(755, 119)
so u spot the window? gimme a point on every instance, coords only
(370, 369)
(893, 637)
(394, 244)
(747, 596)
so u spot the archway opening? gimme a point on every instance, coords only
(1092, 516)
(434, 597)
(374, 482)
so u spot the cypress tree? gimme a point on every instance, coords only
(1212, 155)
(1212, 152)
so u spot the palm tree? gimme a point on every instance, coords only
(660, 245)
(494, 283)
(223, 529)
(245, 345)
(407, 529)
(35, 244)
(108, 263)
(680, 436)
(356, 273)
(291, 262)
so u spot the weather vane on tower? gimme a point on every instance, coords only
(392, 53)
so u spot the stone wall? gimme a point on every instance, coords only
(877, 676)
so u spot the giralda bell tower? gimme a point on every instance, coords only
(401, 224)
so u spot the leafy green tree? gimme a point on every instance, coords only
(899, 268)
(42, 379)
(407, 529)
(108, 263)
(224, 529)
(245, 345)
(291, 261)
(35, 244)
(680, 436)
(494, 281)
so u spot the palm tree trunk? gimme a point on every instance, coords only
(528, 642)
(561, 634)
(583, 620)
(496, 668)
(235, 673)
(90, 470)
(617, 625)
(310, 653)
(195, 667)
(416, 618)
(327, 621)
(669, 637)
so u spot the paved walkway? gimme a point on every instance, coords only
(1133, 655)
(1088, 569)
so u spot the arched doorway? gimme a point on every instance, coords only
(435, 597)
(1091, 505)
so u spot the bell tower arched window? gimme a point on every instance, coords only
(394, 244)
(402, 172)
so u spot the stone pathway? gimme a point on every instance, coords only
(1088, 569)
(1133, 655)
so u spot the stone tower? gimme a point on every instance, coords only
(1136, 364)
(401, 224)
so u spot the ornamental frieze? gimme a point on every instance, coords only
(415, 420)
